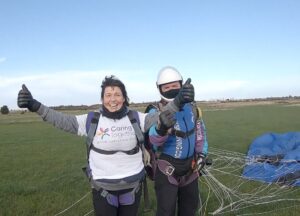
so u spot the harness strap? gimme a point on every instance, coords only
(182, 134)
(91, 132)
(139, 134)
(109, 152)
(168, 169)
(110, 198)
(127, 198)
(89, 140)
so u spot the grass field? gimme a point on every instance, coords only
(41, 166)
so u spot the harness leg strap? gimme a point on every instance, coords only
(166, 168)
(127, 198)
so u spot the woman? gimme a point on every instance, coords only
(116, 169)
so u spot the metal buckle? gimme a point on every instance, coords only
(104, 193)
(169, 170)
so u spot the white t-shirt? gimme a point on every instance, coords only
(113, 135)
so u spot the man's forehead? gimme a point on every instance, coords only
(171, 84)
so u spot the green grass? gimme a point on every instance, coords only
(234, 129)
(41, 166)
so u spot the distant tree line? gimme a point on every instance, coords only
(4, 110)
(260, 99)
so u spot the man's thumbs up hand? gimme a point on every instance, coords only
(185, 95)
(188, 81)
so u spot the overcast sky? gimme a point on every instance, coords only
(230, 48)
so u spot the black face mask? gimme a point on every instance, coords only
(171, 93)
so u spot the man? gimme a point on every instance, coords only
(180, 150)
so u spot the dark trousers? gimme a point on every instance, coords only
(168, 195)
(103, 208)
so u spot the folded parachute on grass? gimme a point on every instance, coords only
(274, 158)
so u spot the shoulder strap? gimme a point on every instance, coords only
(90, 115)
(91, 127)
(135, 122)
(196, 110)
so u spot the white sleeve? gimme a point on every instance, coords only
(81, 119)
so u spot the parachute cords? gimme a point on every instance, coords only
(75, 203)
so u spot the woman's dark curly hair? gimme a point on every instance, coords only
(114, 81)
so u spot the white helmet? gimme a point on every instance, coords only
(167, 74)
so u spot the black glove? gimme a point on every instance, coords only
(167, 121)
(185, 95)
(200, 161)
(25, 100)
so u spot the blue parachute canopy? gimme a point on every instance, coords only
(274, 158)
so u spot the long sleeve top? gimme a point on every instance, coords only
(178, 147)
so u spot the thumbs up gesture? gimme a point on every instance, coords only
(25, 100)
(185, 95)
